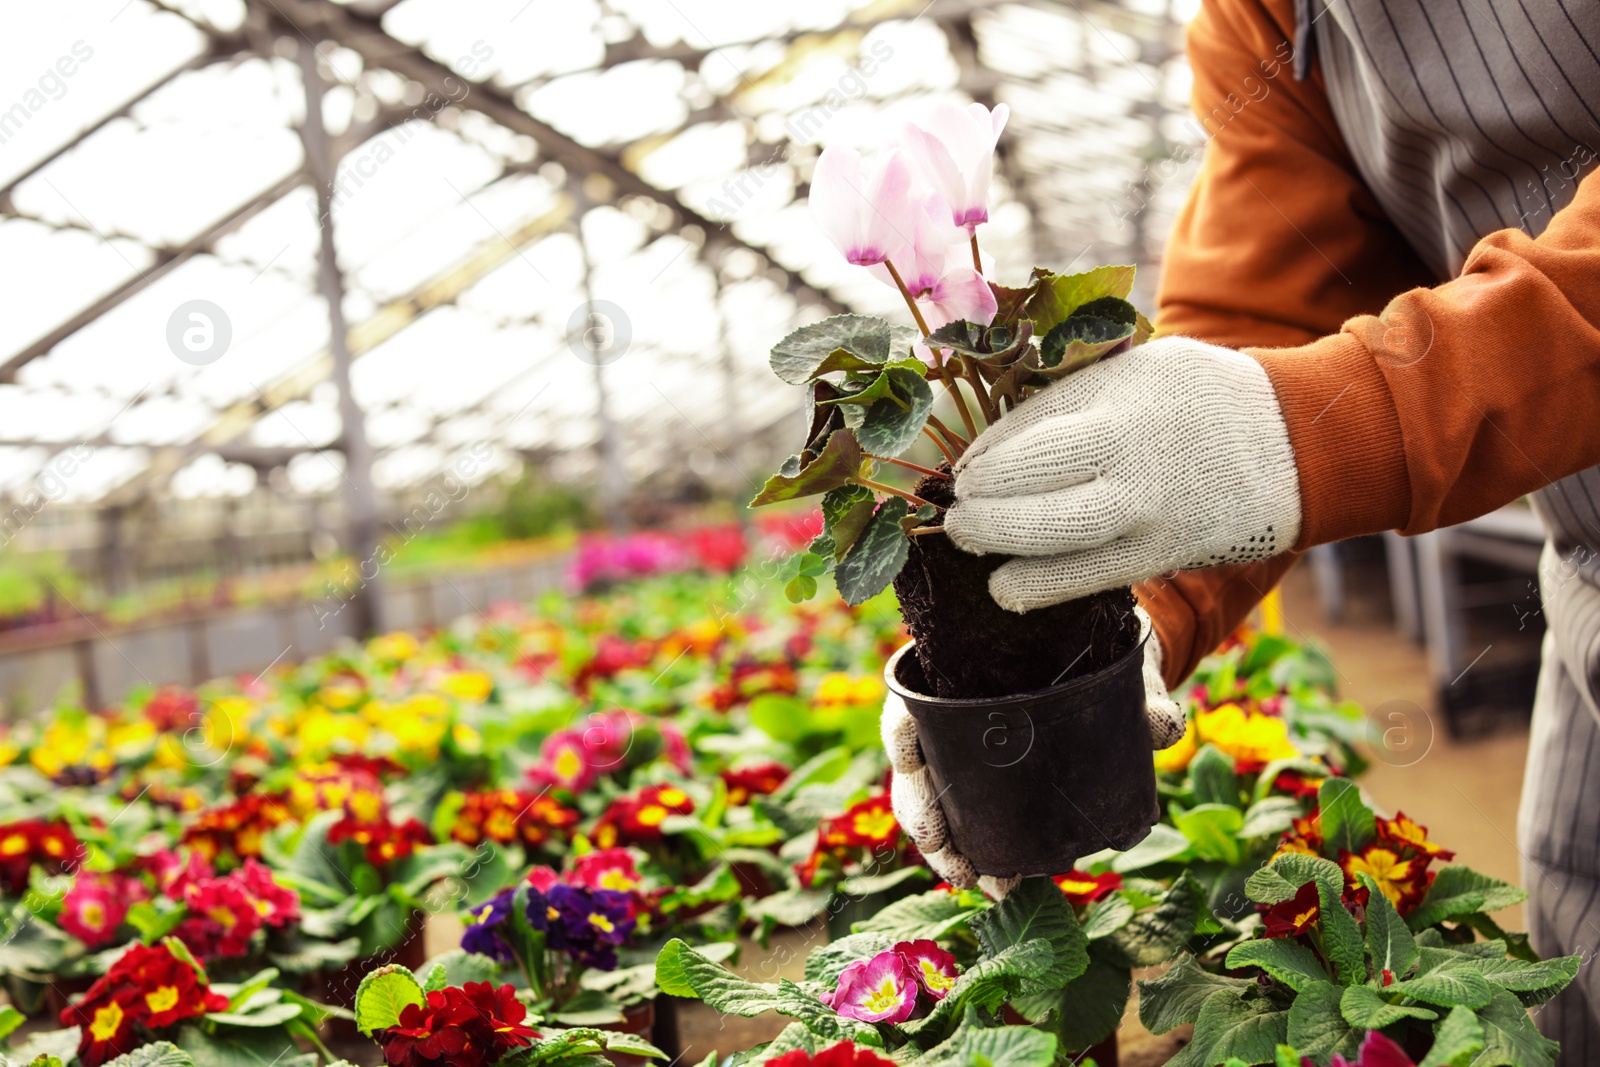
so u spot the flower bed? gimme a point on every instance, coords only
(613, 790)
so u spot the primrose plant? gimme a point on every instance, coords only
(910, 217)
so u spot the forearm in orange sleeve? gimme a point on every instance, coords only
(1279, 243)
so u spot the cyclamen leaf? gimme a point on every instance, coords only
(798, 357)
(877, 555)
(834, 466)
(1390, 944)
(845, 513)
(1056, 296)
(1178, 995)
(959, 336)
(1364, 1007)
(1079, 341)
(861, 393)
(1317, 1029)
(1458, 891)
(892, 424)
(1456, 1039)
(1288, 961)
(381, 996)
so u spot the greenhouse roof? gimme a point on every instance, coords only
(152, 155)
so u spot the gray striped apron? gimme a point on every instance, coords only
(1465, 117)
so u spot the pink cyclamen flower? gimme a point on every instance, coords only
(866, 210)
(936, 271)
(953, 150)
(880, 990)
(934, 967)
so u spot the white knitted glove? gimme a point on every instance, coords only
(918, 809)
(1170, 456)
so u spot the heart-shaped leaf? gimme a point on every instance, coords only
(805, 353)
(834, 466)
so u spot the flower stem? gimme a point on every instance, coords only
(955, 440)
(939, 441)
(908, 465)
(923, 531)
(985, 405)
(892, 491)
(944, 376)
(977, 263)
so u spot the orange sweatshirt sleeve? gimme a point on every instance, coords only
(1279, 243)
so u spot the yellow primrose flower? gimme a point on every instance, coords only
(131, 734)
(396, 647)
(340, 694)
(466, 738)
(1248, 737)
(1175, 758)
(8, 753)
(321, 729)
(472, 686)
(416, 734)
(227, 722)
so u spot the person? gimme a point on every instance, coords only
(1379, 309)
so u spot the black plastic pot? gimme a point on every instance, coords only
(1031, 783)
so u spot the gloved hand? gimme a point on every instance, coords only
(916, 806)
(1170, 456)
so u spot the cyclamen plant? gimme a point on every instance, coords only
(911, 218)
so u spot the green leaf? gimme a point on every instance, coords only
(1534, 983)
(973, 1043)
(683, 972)
(1459, 891)
(862, 393)
(1347, 822)
(1078, 341)
(826, 962)
(1390, 944)
(1178, 995)
(1212, 774)
(1057, 296)
(1036, 909)
(1365, 1008)
(1156, 935)
(10, 1019)
(1282, 878)
(893, 424)
(1269, 817)
(877, 555)
(1164, 843)
(155, 1054)
(834, 466)
(805, 353)
(382, 994)
(1213, 831)
(1509, 1037)
(1091, 1006)
(987, 985)
(1107, 917)
(1288, 961)
(792, 1038)
(1342, 943)
(1455, 984)
(1228, 1026)
(1456, 1040)
(927, 915)
(845, 513)
(1317, 1028)
(270, 1015)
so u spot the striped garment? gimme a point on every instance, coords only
(1465, 117)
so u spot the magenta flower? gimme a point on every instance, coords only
(1376, 1051)
(934, 967)
(866, 210)
(953, 151)
(880, 990)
